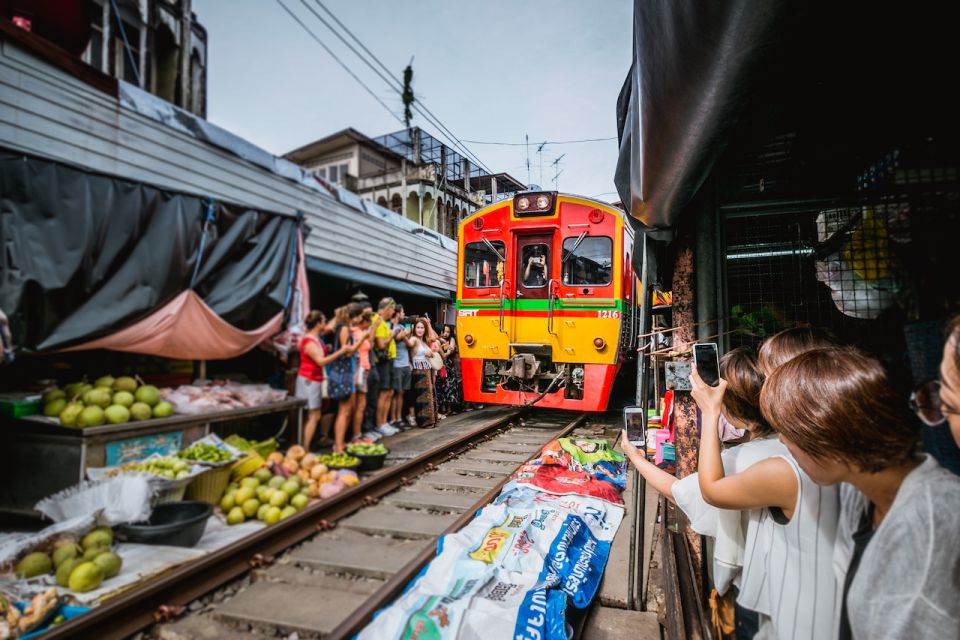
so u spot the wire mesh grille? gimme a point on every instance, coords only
(863, 269)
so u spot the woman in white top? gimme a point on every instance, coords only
(897, 557)
(787, 573)
(421, 345)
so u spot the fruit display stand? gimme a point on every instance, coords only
(44, 457)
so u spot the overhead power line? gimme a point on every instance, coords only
(392, 81)
(545, 143)
(339, 61)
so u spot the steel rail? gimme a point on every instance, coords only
(159, 598)
(392, 587)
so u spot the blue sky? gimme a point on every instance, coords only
(490, 70)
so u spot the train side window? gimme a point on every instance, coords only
(480, 264)
(588, 261)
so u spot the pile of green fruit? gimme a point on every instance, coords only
(203, 452)
(264, 496)
(80, 567)
(107, 400)
(338, 460)
(167, 467)
(366, 449)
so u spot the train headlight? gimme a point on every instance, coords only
(523, 203)
(543, 202)
(468, 339)
(599, 343)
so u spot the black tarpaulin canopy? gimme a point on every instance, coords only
(87, 256)
(711, 82)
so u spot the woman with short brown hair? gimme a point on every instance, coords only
(896, 548)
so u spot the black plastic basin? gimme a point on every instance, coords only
(174, 524)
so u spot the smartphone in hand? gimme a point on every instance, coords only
(634, 422)
(708, 362)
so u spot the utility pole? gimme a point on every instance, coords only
(540, 153)
(557, 170)
(527, 137)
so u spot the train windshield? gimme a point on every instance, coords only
(480, 264)
(587, 261)
(535, 259)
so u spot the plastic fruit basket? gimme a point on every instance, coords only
(369, 463)
(209, 485)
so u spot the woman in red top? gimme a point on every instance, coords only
(313, 357)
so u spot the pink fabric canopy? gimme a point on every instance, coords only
(185, 328)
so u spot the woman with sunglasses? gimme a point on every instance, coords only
(937, 404)
(896, 555)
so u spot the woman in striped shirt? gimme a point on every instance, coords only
(787, 575)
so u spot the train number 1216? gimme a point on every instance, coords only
(608, 313)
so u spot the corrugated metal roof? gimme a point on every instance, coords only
(47, 112)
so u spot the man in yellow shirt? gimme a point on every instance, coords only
(385, 351)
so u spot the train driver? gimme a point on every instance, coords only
(535, 273)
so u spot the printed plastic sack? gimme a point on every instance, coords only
(509, 573)
(595, 457)
(563, 481)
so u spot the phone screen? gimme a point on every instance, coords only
(708, 362)
(635, 425)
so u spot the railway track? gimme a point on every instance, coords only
(324, 572)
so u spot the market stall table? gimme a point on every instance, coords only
(44, 457)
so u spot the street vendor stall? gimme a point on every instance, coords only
(46, 457)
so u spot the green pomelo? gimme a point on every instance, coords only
(291, 488)
(65, 552)
(64, 571)
(163, 410)
(245, 493)
(93, 552)
(299, 501)
(262, 512)
(53, 394)
(235, 516)
(140, 411)
(228, 502)
(70, 413)
(263, 475)
(117, 413)
(275, 482)
(262, 493)
(109, 562)
(86, 576)
(73, 389)
(99, 397)
(83, 388)
(123, 398)
(279, 499)
(147, 394)
(104, 381)
(250, 507)
(253, 483)
(99, 537)
(273, 515)
(91, 416)
(125, 383)
(287, 512)
(34, 564)
(54, 407)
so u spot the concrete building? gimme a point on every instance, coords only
(409, 172)
(157, 45)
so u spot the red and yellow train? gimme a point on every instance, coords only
(545, 301)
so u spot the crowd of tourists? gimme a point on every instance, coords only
(367, 372)
(830, 521)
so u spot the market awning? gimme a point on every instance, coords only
(374, 279)
(99, 262)
(692, 69)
